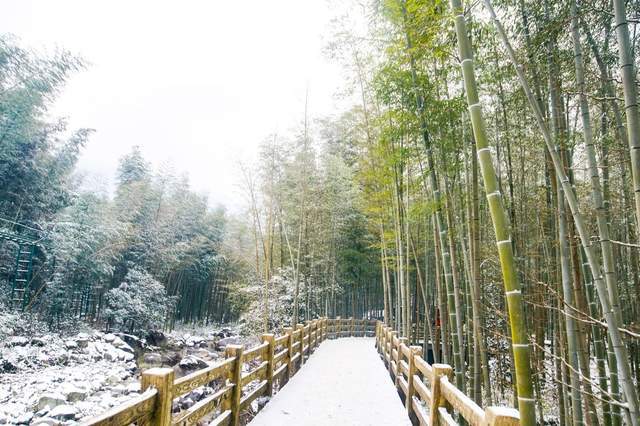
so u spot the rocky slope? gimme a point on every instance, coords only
(51, 380)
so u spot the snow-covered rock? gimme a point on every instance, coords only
(152, 358)
(17, 341)
(171, 358)
(63, 412)
(192, 362)
(133, 387)
(232, 340)
(156, 337)
(51, 400)
(24, 419)
(7, 366)
(122, 345)
(46, 421)
(73, 393)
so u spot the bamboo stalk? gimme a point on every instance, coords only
(501, 225)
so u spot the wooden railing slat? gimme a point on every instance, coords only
(201, 377)
(421, 389)
(259, 372)
(248, 398)
(202, 408)
(462, 403)
(130, 412)
(420, 412)
(256, 352)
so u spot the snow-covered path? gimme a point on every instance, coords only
(344, 382)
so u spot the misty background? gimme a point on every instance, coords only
(197, 85)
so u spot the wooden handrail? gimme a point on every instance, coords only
(424, 385)
(138, 410)
(277, 354)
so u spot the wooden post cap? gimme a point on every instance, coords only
(501, 416)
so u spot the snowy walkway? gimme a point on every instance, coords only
(344, 382)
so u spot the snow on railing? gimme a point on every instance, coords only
(267, 363)
(429, 396)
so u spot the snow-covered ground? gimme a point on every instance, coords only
(53, 379)
(50, 380)
(343, 383)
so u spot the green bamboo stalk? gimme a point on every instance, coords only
(627, 72)
(570, 323)
(611, 317)
(502, 228)
(596, 188)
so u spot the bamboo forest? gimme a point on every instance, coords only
(470, 194)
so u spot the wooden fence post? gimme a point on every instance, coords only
(326, 328)
(501, 416)
(162, 380)
(401, 341)
(437, 400)
(236, 378)
(314, 327)
(353, 326)
(301, 328)
(393, 333)
(289, 332)
(414, 352)
(269, 338)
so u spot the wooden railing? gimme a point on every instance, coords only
(429, 397)
(272, 363)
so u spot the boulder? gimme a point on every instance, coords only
(82, 340)
(171, 358)
(197, 394)
(38, 341)
(191, 362)
(122, 345)
(73, 393)
(186, 403)
(63, 412)
(133, 387)
(70, 344)
(156, 338)
(51, 399)
(24, 419)
(231, 340)
(113, 379)
(17, 341)
(7, 366)
(152, 358)
(118, 390)
(109, 337)
(43, 412)
(134, 342)
(262, 401)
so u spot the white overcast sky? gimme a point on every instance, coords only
(198, 84)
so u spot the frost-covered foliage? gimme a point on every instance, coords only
(19, 324)
(281, 295)
(138, 303)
